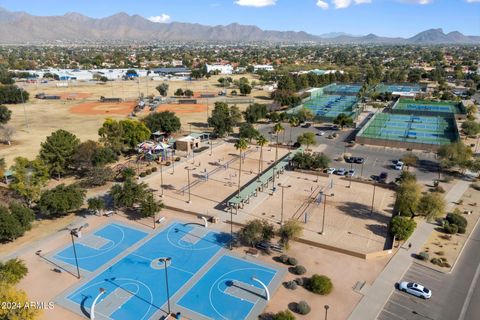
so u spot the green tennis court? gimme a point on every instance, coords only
(411, 128)
(408, 105)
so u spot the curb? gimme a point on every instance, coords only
(463, 247)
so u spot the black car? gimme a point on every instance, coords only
(350, 159)
(359, 160)
(383, 176)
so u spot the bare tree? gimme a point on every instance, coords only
(7, 133)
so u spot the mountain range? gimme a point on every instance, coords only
(24, 28)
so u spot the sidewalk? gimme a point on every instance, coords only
(378, 294)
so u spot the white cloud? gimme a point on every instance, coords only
(256, 3)
(163, 18)
(341, 4)
(418, 1)
(322, 4)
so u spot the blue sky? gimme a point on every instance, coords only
(382, 17)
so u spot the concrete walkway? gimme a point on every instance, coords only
(378, 294)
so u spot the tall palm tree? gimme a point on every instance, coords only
(294, 122)
(241, 145)
(261, 141)
(277, 128)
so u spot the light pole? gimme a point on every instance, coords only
(161, 179)
(351, 174)
(173, 161)
(283, 188)
(76, 233)
(324, 210)
(188, 179)
(165, 260)
(211, 146)
(326, 311)
(92, 312)
(273, 177)
(373, 196)
(231, 228)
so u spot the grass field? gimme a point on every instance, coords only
(79, 112)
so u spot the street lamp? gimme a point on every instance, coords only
(76, 232)
(324, 208)
(373, 196)
(92, 312)
(351, 174)
(165, 260)
(273, 181)
(326, 310)
(161, 179)
(188, 179)
(281, 214)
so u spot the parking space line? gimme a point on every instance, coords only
(400, 305)
(391, 313)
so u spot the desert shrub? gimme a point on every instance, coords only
(143, 174)
(447, 179)
(299, 269)
(475, 186)
(283, 258)
(460, 202)
(154, 169)
(439, 189)
(435, 261)
(177, 159)
(450, 228)
(303, 307)
(292, 285)
(319, 284)
(423, 256)
(440, 253)
(168, 163)
(284, 315)
(299, 281)
(457, 219)
(292, 261)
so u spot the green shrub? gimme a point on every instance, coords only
(292, 285)
(440, 253)
(450, 228)
(283, 258)
(423, 256)
(168, 163)
(303, 307)
(319, 284)
(12, 271)
(154, 169)
(292, 261)
(284, 315)
(439, 189)
(299, 269)
(454, 218)
(177, 159)
(143, 174)
(435, 261)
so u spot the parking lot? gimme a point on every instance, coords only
(377, 159)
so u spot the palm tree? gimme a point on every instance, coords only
(294, 122)
(277, 128)
(343, 120)
(241, 145)
(261, 141)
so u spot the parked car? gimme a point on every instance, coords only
(350, 159)
(351, 173)
(341, 172)
(415, 289)
(335, 127)
(398, 165)
(383, 176)
(359, 160)
(330, 170)
(320, 133)
(307, 125)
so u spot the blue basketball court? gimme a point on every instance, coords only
(96, 249)
(204, 280)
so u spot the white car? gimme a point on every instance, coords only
(415, 289)
(330, 170)
(320, 133)
(341, 172)
(398, 165)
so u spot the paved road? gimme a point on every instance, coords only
(377, 159)
(454, 296)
